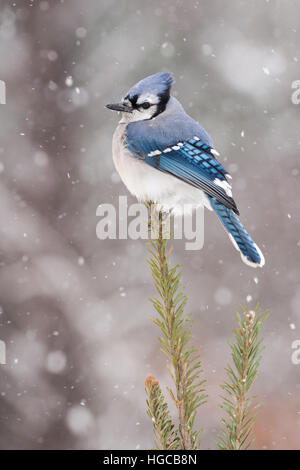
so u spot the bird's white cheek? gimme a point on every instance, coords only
(129, 117)
(138, 115)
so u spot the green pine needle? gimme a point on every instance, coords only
(166, 436)
(246, 356)
(183, 361)
(184, 365)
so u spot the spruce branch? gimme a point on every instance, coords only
(183, 361)
(246, 356)
(166, 436)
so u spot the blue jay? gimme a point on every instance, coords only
(163, 155)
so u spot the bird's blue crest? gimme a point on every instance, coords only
(158, 84)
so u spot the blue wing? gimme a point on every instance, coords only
(190, 159)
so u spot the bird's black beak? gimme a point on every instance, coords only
(120, 107)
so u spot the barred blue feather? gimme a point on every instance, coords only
(192, 162)
(239, 236)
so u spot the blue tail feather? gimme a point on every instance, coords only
(250, 252)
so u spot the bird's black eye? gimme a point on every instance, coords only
(145, 105)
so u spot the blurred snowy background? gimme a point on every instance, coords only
(74, 310)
